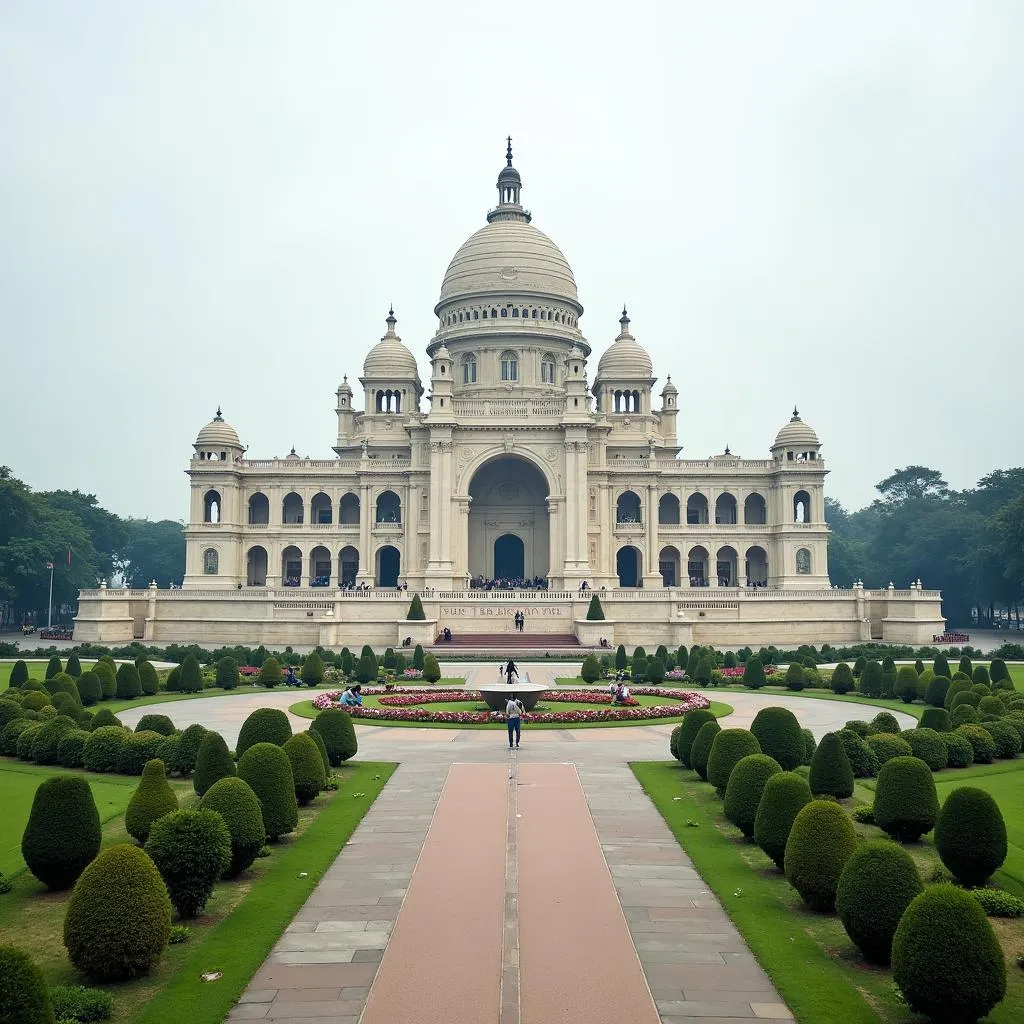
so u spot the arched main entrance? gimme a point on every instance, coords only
(509, 558)
(389, 564)
(627, 565)
(509, 505)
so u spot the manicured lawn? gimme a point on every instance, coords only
(808, 956)
(240, 925)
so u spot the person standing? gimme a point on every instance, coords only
(501, 671)
(510, 671)
(513, 718)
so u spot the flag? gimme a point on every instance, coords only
(69, 558)
(49, 565)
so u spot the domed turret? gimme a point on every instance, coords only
(389, 358)
(626, 359)
(797, 438)
(218, 441)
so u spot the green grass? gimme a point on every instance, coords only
(305, 709)
(241, 923)
(808, 956)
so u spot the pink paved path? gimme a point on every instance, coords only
(443, 962)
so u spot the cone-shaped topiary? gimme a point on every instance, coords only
(63, 831)
(842, 679)
(173, 682)
(366, 668)
(152, 799)
(270, 673)
(727, 749)
(264, 725)
(129, 686)
(936, 718)
(745, 788)
(190, 679)
(819, 845)
(692, 721)
(779, 734)
(186, 751)
(148, 679)
(338, 733)
(266, 768)
(213, 762)
(700, 750)
(935, 694)
(906, 805)
(620, 658)
(307, 767)
(590, 671)
(227, 673)
(946, 958)
(108, 679)
(53, 666)
(941, 666)
(810, 746)
(191, 849)
(970, 835)
(418, 658)
(312, 673)
(704, 669)
(595, 613)
(830, 768)
(871, 680)
(927, 745)
(753, 674)
(998, 671)
(431, 669)
(74, 666)
(90, 689)
(19, 674)
(24, 997)
(71, 748)
(103, 748)
(155, 723)
(416, 612)
(877, 885)
(238, 805)
(906, 684)
(322, 747)
(783, 797)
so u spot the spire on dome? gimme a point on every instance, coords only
(796, 413)
(624, 324)
(508, 152)
(509, 185)
(218, 417)
(390, 321)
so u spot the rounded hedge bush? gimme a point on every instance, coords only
(264, 725)
(701, 749)
(338, 733)
(1006, 738)
(884, 721)
(970, 835)
(321, 746)
(90, 689)
(148, 679)
(152, 799)
(785, 794)
(238, 805)
(745, 788)
(935, 694)
(44, 746)
(307, 767)
(103, 748)
(673, 741)
(935, 718)
(155, 723)
(810, 746)
(27, 739)
(964, 697)
(24, 996)
(980, 739)
(190, 675)
(104, 717)
(35, 701)
(780, 736)
(964, 714)
(842, 679)
(266, 768)
(213, 763)
(191, 849)
(928, 746)
(959, 752)
(727, 749)
(991, 705)
(688, 729)
(830, 769)
(9, 710)
(71, 748)
(168, 750)
(63, 831)
(820, 843)
(139, 749)
(118, 918)
(877, 885)
(946, 958)
(11, 735)
(187, 750)
(862, 729)
(906, 804)
(885, 746)
(129, 686)
(108, 679)
(19, 674)
(66, 705)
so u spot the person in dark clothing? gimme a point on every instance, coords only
(510, 671)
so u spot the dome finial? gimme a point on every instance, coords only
(624, 319)
(508, 152)
(796, 414)
(218, 416)
(391, 321)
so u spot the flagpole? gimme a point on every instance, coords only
(49, 607)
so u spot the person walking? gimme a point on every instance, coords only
(501, 671)
(510, 671)
(513, 718)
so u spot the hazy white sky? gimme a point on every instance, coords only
(214, 203)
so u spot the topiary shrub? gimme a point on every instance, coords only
(90, 689)
(44, 745)
(590, 671)
(700, 750)
(620, 658)
(418, 658)
(140, 748)
(53, 667)
(673, 742)
(941, 666)
(906, 684)
(238, 805)
(946, 959)
(655, 673)
(779, 734)
(108, 679)
(266, 768)
(980, 739)
(61, 683)
(227, 673)
(936, 718)
(830, 769)
(148, 679)
(190, 679)
(964, 697)
(704, 669)
(959, 752)
(173, 681)
(366, 668)
(885, 722)
(745, 788)
(990, 705)
(688, 729)
(11, 735)
(152, 799)
(129, 686)
(796, 677)
(820, 843)
(782, 799)
(970, 835)
(76, 1003)
(103, 748)
(753, 674)
(63, 831)
(927, 745)
(213, 763)
(168, 750)
(270, 673)
(885, 747)
(33, 701)
(71, 748)
(727, 749)
(264, 725)
(431, 669)
(906, 804)
(307, 768)
(24, 997)
(322, 748)
(27, 739)
(810, 746)
(191, 849)
(9, 710)
(595, 613)
(104, 717)
(155, 723)
(842, 679)
(997, 672)
(871, 680)
(981, 676)
(19, 674)
(338, 733)
(964, 714)
(1006, 738)
(859, 665)
(312, 673)
(877, 885)
(416, 612)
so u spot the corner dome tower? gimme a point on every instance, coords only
(218, 441)
(797, 440)
(626, 359)
(389, 359)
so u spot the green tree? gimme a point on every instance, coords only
(431, 669)
(270, 673)
(312, 669)
(417, 658)
(620, 658)
(590, 671)
(191, 678)
(227, 673)
(595, 613)
(416, 612)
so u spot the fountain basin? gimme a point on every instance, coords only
(497, 694)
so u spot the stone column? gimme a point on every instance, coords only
(556, 548)
(652, 577)
(367, 513)
(460, 564)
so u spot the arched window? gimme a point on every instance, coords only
(696, 509)
(469, 368)
(725, 510)
(547, 369)
(389, 507)
(259, 509)
(668, 510)
(755, 512)
(627, 508)
(211, 507)
(292, 509)
(803, 561)
(801, 507)
(348, 512)
(211, 562)
(509, 366)
(321, 509)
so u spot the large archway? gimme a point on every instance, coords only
(627, 565)
(509, 499)
(509, 557)
(256, 567)
(389, 565)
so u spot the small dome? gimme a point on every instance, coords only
(218, 433)
(626, 359)
(389, 358)
(796, 434)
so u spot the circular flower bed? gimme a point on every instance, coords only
(399, 699)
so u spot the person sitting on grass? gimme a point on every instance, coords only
(353, 696)
(621, 694)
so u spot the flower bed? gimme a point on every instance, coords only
(632, 712)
